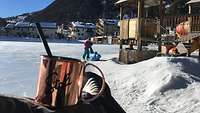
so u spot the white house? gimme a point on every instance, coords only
(29, 29)
(10, 26)
(81, 30)
(49, 29)
(62, 31)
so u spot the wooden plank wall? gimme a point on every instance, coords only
(128, 28)
(124, 29)
(150, 28)
(133, 28)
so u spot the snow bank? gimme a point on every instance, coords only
(142, 87)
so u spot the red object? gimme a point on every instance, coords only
(180, 29)
(166, 48)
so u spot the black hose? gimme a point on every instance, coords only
(43, 39)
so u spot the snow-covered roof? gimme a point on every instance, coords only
(43, 25)
(11, 21)
(32, 25)
(147, 3)
(10, 25)
(121, 1)
(22, 24)
(83, 25)
(193, 1)
(110, 21)
(48, 25)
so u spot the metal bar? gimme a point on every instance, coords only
(43, 39)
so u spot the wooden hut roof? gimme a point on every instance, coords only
(193, 1)
(147, 3)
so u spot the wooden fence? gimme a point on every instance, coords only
(173, 21)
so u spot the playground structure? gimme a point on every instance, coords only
(165, 31)
(137, 30)
(187, 29)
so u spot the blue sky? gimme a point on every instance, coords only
(17, 7)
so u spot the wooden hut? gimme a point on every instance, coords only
(137, 28)
(149, 22)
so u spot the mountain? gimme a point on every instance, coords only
(75, 10)
(2, 22)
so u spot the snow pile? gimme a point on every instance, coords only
(161, 84)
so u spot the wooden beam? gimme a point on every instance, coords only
(161, 12)
(121, 10)
(190, 9)
(161, 23)
(139, 25)
(121, 44)
(190, 24)
(190, 18)
(199, 47)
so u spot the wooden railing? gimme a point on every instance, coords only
(128, 27)
(195, 24)
(173, 21)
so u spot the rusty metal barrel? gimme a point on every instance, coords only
(59, 81)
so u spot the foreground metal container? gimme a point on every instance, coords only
(60, 89)
(60, 81)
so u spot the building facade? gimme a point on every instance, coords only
(27, 29)
(81, 30)
(107, 27)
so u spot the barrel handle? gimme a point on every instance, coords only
(102, 87)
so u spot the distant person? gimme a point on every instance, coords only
(95, 56)
(87, 49)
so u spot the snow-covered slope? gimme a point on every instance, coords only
(157, 85)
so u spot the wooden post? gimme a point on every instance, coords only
(121, 40)
(120, 13)
(199, 48)
(161, 24)
(121, 44)
(190, 18)
(190, 24)
(146, 13)
(139, 25)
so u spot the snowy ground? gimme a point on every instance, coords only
(157, 85)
